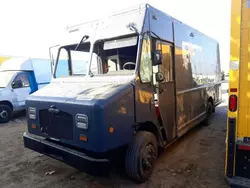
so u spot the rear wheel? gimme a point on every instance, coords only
(141, 156)
(208, 119)
(5, 113)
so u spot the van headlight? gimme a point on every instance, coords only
(82, 121)
(32, 113)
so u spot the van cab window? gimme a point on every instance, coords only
(118, 56)
(146, 69)
(21, 81)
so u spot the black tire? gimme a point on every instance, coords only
(141, 156)
(208, 119)
(5, 113)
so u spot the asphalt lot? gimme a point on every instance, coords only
(196, 161)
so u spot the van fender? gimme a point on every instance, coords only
(151, 127)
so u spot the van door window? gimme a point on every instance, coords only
(21, 80)
(167, 59)
(146, 69)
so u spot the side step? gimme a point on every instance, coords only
(238, 182)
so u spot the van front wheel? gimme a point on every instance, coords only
(141, 156)
(5, 113)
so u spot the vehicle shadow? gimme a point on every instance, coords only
(20, 114)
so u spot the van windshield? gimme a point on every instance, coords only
(6, 77)
(110, 57)
(117, 57)
(72, 62)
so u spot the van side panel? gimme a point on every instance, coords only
(197, 70)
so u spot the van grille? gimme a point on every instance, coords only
(57, 125)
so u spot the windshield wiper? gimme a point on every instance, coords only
(84, 38)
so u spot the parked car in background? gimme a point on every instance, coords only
(20, 77)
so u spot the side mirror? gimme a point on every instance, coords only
(157, 57)
(159, 77)
(17, 84)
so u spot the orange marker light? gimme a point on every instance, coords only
(33, 126)
(83, 138)
(111, 129)
(233, 90)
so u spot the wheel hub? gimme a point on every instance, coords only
(148, 157)
(4, 114)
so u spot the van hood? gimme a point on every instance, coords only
(83, 88)
(104, 101)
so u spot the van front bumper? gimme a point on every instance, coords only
(74, 158)
(238, 182)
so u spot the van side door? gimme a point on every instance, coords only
(166, 89)
(21, 88)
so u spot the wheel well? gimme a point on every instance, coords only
(151, 127)
(7, 103)
(210, 99)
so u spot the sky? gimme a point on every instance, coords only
(29, 27)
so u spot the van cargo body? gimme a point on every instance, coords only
(20, 77)
(133, 82)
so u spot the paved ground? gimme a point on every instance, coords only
(195, 161)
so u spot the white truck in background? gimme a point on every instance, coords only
(20, 77)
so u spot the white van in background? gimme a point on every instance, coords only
(20, 77)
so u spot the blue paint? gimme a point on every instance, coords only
(33, 83)
(102, 113)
